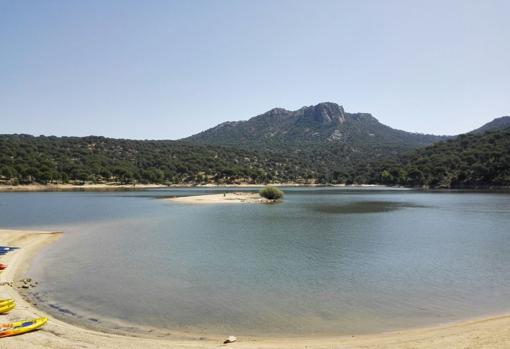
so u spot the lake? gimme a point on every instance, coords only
(326, 261)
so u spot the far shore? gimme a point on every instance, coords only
(486, 333)
(76, 187)
(117, 186)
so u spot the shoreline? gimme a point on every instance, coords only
(7, 188)
(488, 332)
(114, 186)
(75, 187)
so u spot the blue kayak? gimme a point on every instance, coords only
(6, 249)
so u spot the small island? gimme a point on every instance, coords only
(266, 195)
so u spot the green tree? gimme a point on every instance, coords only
(386, 177)
(8, 172)
(271, 193)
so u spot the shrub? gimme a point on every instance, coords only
(271, 193)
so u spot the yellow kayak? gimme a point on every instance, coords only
(7, 307)
(20, 327)
(5, 301)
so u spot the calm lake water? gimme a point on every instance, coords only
(325, 261)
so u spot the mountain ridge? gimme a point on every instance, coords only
(496, 124)
(324, 135)
(323, 122)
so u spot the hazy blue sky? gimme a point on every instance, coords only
(168, 69)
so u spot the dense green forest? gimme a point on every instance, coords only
(470, 160)
(26, 159)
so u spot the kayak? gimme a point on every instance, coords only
(20, 327)
(7, 307)
(6, 301)
(7, 249)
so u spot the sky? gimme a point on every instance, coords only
(168, 69)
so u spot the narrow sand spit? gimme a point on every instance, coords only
(477, 334)
(228, 198)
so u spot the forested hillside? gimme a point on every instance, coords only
(320, 144)
(27, 159)
(470, 160)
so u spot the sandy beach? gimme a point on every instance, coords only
(228, 198)
(71, 187)
(116, 186)
(481, 333)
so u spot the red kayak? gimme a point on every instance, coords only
(3, 266)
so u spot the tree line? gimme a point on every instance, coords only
(466, 161)
(471, 160)
(27, 159)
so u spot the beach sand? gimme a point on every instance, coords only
(116, 186)
(76, 187)
(228, 198)
(476, 334)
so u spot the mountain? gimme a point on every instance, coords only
(324, 135)
(325, 123)
(356, 148)
(317, 144)
(496, 124)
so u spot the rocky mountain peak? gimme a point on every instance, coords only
(325, 113)
(277, 111)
